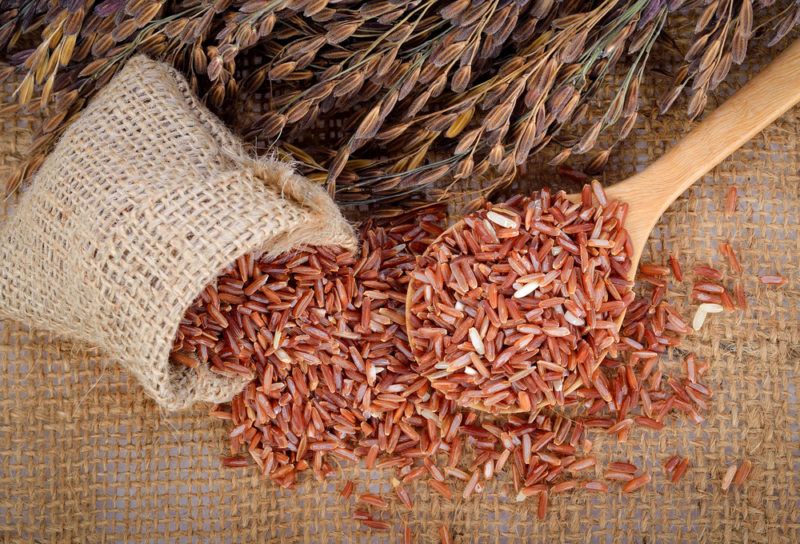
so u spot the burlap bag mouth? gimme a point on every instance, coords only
(145, 199)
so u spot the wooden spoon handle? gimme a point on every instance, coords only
(762, 100)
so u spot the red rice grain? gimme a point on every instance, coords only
(618, 476)
(743, 472)
(773, 279)
(541, 510)
(738, 293)
(235, 462)
(623, 466)
(675, 266)
(727, 478)
(402, 494)
(444, 534)
(441, 488)
(636, 483)
(582, 464)
(596, 486)
(726, 301)
(727, 251)
(707, 272)
(347, 489)
(680, 470)
(651, 269)
(730, 200)
(373, 500)
(566, 485)
(671, 463)
(676, 467)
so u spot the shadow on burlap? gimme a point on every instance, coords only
(86, 456)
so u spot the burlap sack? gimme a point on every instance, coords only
(141, 204)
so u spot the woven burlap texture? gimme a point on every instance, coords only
(140, 205)
(86, 457)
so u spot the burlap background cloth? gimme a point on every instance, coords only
(86, 456)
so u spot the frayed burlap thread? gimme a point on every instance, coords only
(143, 201)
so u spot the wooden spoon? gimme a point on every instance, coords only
(649, 193)
(755, 106)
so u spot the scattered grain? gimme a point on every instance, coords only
(347, 489)
(773, 279)
(743, 472)
(636, 483)
(727, 478)
(730, 200)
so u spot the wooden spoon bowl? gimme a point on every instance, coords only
(413, 287)
(649, 193)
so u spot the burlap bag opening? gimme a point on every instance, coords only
(141, 204)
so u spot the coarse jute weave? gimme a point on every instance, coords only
(144, 200)
(85, 456)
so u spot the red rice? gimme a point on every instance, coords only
(636, 483)
(323, 339)
(347, 489)
(373, 500)
(743, 472)
(675, 266)
(501, 298)
(773, 279)
(730, 200)
(444, 534)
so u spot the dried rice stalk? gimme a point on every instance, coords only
(428, 92)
